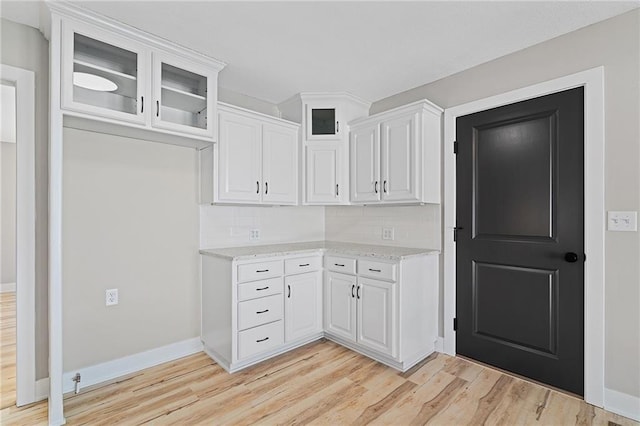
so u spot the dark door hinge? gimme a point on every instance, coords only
(455, 233)
(455, 324)
(455, 147)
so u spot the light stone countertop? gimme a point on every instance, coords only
(330, 247)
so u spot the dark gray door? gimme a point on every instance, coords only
(520, 249)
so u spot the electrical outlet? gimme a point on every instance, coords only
(623, 221)
(112, 297)
(254, 235)
(388, 233)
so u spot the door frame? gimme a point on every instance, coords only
(594, 214)
(24, 82)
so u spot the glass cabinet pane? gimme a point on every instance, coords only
(183, 97)
(323, 121)
(104, 75)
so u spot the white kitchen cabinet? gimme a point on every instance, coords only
(340, 305)
(303, 305)
(257, 158)
(376, 315)
(395, 156)
(324, 169)
(184, 96)
(114, 75)
(325, 132)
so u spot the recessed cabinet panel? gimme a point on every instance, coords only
(365, 164)
(376, 318)
(279, 164)
(323, 174)
(102, 74)
(399, 165)
(239, 174)
(340, 306)
(303, 305)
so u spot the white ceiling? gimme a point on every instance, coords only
(372, 49)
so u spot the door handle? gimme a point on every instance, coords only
(571, 257)
(375, 187)
(353, 287)
(157, 108)
(257, 187)
(266, 188)
(142, 102)
(358, 292)
(337, 190)
(289, 288)
(262, 312)
(384, 186)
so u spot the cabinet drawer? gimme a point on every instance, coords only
(300, 265)
(345, 265)
(262, 288)
(379, 270)
(259, 311)
(259, 270)
(260, 339)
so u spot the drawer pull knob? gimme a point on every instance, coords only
(375, 270)
(304, 264)
(262, 340)
(262, 312)
(338, 264)
(263, 288)
(262, 270)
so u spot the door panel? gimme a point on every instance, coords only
(279, 165)
(376, 315)
(340, 304)
(398, 141)
(323, 168)
(240, 153)
(365, 165)
(303, 305)
(520, 198)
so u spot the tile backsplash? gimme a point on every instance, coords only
(414, 226)
(229, 226)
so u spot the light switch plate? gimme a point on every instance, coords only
(623, 221)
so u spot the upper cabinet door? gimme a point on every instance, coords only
(323, 121)
(239, 162)
(184, 96)
(365, 164)
(279, 164)
(103, 74)
(323, 172)
(399, 146)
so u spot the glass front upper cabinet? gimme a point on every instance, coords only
(103, 74)
(183, 96)
(322, 122)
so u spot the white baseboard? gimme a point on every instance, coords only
(8, 288)
(42, 389)
(440, 344)
(621, 403)
(130, 364)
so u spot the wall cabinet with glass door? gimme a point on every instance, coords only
(116, 78)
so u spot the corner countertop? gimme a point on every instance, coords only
(330, 247)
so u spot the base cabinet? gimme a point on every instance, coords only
(340, 306)
(302, 308)
(376, 315)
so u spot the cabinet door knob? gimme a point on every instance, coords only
(375, 187)
(353, 287)
(384, 186)
(289, 287)
(142, 104)
(157, 108)
(337, 190)
(257, 187)
(358, 292)
(337, 127)
(266, 188)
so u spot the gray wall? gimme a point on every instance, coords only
(614, 43)
(25, 47)
(8, 216)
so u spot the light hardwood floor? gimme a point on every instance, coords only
(322, 384)
(7, 349)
